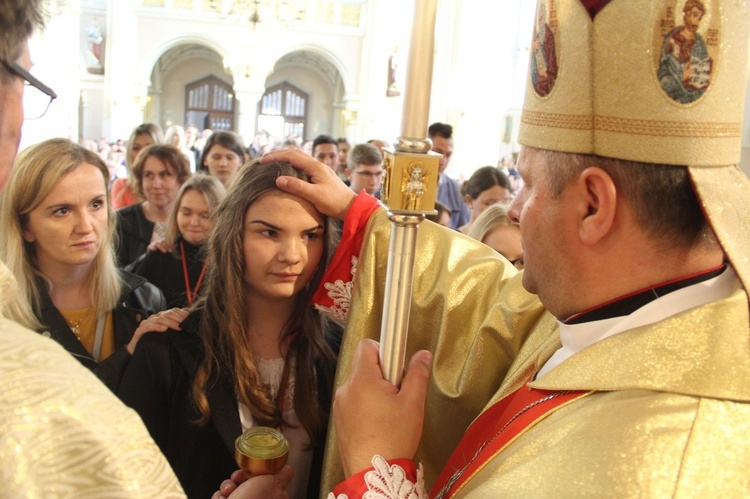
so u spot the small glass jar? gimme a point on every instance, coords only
(261, 450)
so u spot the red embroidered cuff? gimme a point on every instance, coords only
(352, 236)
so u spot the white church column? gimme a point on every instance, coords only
(247, 104)
(55, 53)
(350, 117)
(745, 157)
(249, 86)
(152, 113)
(122, 110)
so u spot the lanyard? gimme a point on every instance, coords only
(97, 349)
(191, 295)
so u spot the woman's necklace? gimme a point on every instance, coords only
(75, 326)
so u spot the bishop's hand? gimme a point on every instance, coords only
(372, 416)
(327, 192)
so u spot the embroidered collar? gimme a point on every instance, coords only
(666, 300)
(626, 305)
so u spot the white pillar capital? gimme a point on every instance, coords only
(247, 102)
(249, 75)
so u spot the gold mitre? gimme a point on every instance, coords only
(657, 81)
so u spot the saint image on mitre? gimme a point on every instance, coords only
(685, 65)
(543, 54)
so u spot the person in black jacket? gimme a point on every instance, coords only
(253, 350)
(180, 272)
(160, 170)
(58, 228)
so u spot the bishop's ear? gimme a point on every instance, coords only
(598, 204)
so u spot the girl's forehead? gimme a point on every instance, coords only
(283, 205)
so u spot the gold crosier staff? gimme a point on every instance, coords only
(409, 191)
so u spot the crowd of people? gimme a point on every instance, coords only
(359, 166)
(582, 331)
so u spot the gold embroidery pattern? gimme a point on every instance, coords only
(557, 120)
(667, 128)
(65, 434)
(634, 127)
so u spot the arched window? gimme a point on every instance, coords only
(283, 111)
(209, 103)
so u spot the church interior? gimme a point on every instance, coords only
(273, 68)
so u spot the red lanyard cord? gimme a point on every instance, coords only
(194, 293)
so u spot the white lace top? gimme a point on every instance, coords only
(300, 457)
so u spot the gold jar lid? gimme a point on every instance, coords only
(261, 450)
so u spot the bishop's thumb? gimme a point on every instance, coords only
(417, 376)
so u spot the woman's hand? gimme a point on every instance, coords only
(372, 416)
(327, 192)
(167, 319)
(160, 245)
(241, 486)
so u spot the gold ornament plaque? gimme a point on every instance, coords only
(410, 183)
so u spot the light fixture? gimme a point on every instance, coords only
(257, 11)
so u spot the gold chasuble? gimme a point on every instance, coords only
(662, 407)
(474, 341)
(669, 416)
(665, 396)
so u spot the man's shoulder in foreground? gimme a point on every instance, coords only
(64, 433)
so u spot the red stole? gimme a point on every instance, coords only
(494, 429)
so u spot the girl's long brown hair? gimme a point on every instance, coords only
(223, 327)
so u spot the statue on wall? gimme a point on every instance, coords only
(95, 51)
(393, 89)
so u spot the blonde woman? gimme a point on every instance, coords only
(494, 228)
(176, 136)
(180, 273)
(58, 227)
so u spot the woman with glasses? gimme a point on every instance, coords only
(58, 227)
(124, 190)
(180, 272)
(159, 171)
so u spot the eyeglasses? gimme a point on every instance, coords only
(36, 102)
(369, 174)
